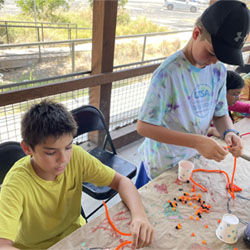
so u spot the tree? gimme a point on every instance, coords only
(1, 4)
(121, 3)
(45, 9)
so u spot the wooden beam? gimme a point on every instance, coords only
(17, 96)
(103, 46)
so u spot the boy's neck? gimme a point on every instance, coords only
(43, 175)
(187, 51)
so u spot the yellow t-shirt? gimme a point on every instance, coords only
(35, 213)
(245, 92)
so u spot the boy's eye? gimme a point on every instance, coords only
(50, 153)
(69, 148)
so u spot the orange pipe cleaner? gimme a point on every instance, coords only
(113, 226)
(230, 188)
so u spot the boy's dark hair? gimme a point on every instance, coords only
(234, 80)
(46, 119)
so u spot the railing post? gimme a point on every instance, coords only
(73, 56)
(7, 34)
(68, 33)
(103, 44)
(144, 48)
(42, 32)
(38, 39)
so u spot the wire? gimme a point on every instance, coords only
(232, 180)
(230, 188)
(123, 244)
(111, 223)
(209, 171)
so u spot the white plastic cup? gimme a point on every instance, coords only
(185, 169)
(227, 230)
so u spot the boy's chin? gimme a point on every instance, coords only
(60, 170)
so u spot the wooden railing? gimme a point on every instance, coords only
(121, 138)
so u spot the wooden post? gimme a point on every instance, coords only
(103, 45)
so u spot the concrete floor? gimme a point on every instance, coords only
(129, 152)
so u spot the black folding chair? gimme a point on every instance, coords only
(89, 118)
(243, 69)
(10, 152)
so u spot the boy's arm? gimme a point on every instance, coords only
(6, 244)
(206, 146)
(142, 231)
(222, 123)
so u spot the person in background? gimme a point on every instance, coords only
(40, 198)
(236, 108)
(245, 93)
(188, 91)
(244, 71)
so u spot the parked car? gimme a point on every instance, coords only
(181, 5)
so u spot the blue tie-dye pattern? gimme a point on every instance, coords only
(219, 106)
(168, 104)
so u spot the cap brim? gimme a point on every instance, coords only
(227, 54)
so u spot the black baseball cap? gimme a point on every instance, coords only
(228, 23)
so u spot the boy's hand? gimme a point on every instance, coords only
(142, 232)
(235, 143)
(210, 149)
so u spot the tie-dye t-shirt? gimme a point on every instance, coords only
(183, 98)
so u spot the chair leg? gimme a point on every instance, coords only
(87, 217)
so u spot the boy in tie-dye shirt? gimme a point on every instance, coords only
(188, 91)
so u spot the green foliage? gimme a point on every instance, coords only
(139, 26)
(121, 4)
(123, 18)
(83, 18)
(45, 9)
(1, 4)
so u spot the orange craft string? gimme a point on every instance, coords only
(121, 233)
(111, 223)
(230, 189)
(209, 171)
(123, 244)
(231, 192)
(232, 180)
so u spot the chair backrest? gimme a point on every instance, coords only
(90, 118)
(10, 152)
(243, 69)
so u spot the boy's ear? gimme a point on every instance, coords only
(196, 32)
(26, 148)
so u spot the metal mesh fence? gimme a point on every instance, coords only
(127, 97)
(10, 115)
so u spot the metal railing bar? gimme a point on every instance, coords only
(37, 22)
(89, 39)
(153, 34)
(18, 84)
(139, 63)
(45, 27)
(44, 43)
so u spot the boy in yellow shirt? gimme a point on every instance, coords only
(40, 199)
